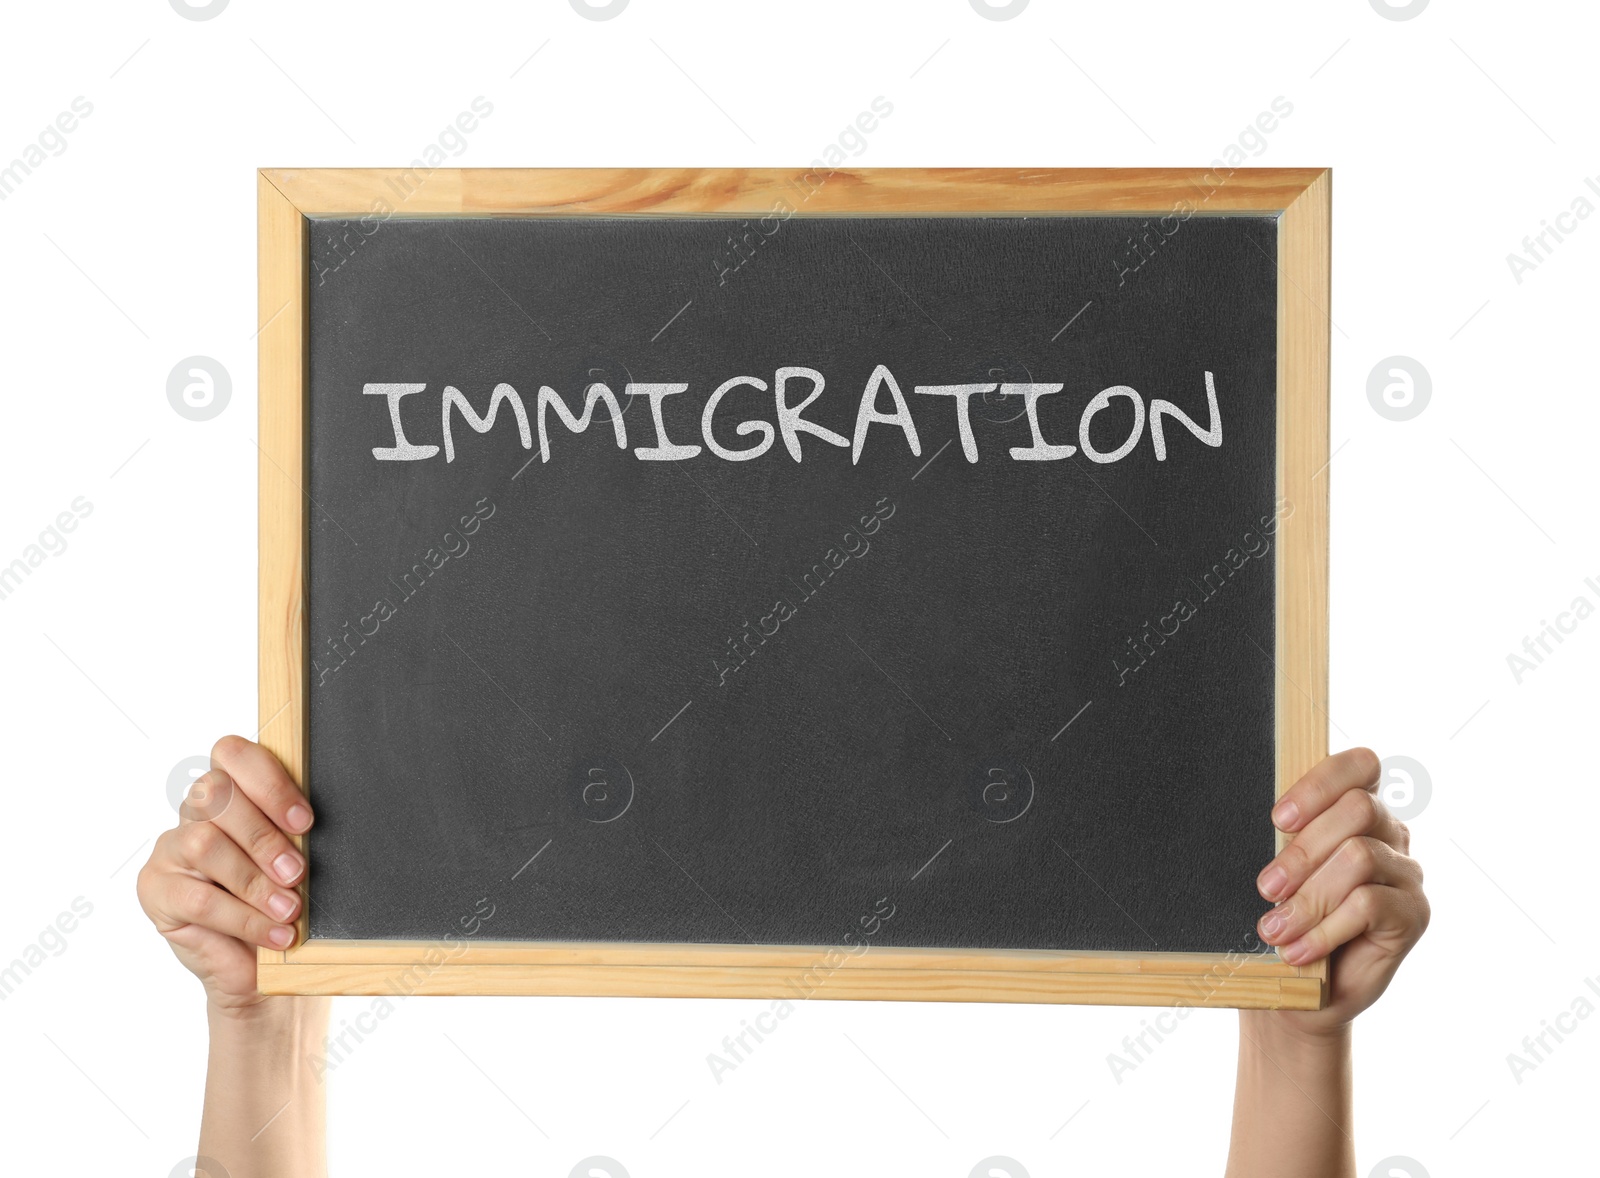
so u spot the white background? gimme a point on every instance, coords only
(1452, 137)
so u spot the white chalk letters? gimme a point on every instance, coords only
(882, 404)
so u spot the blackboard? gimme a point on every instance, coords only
(619, 669)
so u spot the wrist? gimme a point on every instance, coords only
(1292, 1100)
(265, 1100)
(282, 1020)
(1282, 1035)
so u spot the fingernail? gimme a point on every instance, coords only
(298, 817)
(1294, 954)
(281, 905)
(1273, 880)
(280, 936)
(1283, 817)
(1272, 923)
(287, 867)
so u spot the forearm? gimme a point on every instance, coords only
(1291, 1102)
(265, 1113)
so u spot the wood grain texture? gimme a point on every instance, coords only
(1301, 196)
(964, 985)
(757, 971)
(1304, 300)
(322, 192)
(281, 345)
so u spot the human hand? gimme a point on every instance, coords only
(220, 883)
(1346, 885)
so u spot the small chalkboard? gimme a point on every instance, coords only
(872, 584)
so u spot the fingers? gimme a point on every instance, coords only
(209, 795)
(243, 822)
(198, 875)
(211, 853)
(1357, 862)
(184, 901)
(1323, 786)
(202, 852)
(1371, 910)
(229, 865)
(264, 781)
(1355, 814)
(1346, 874)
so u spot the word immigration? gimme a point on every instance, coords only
(791, 424)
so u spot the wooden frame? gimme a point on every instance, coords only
(1302, 200)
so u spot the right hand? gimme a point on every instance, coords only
(221, 882)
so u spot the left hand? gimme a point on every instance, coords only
(1346, 885)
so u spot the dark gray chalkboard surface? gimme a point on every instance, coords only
(1028, 703)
